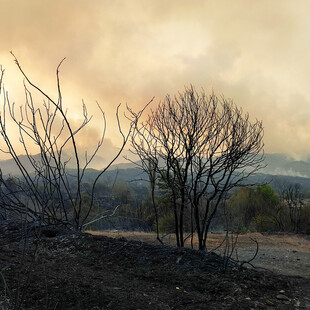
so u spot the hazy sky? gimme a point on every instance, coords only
(256, 52)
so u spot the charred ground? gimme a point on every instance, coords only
(99, 272)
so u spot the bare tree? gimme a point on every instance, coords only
(148, 162)
(157, 165)
(202, 146)
(293, 199)
(49, 193)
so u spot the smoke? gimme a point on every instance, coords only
(255, 52)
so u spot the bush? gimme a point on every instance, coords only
(265, 223)
(305, 220)
(166, 223)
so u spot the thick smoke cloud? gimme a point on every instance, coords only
(255, 52)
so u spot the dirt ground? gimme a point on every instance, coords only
(286, 254)
(100, 272)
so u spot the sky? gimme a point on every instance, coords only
(255, 52)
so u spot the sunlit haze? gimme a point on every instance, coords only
(256, 52)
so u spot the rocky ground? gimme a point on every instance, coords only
(100, 272)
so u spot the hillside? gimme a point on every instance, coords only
(280, 171)
(280, 164)
(91, 273)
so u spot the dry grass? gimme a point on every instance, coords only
(215, 239)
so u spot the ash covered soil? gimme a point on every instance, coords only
(282, 253)
(100, 272)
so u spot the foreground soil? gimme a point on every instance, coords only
(100, 272)
(285, 254)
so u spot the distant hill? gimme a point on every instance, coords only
(10, 167)
(276, 164)
(135, 176)
(280, 182)
(280, 164)
(99, 162)
(280, 171)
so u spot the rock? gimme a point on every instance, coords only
(282, 297)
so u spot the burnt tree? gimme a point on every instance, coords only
(48, 192)
(201, 146)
